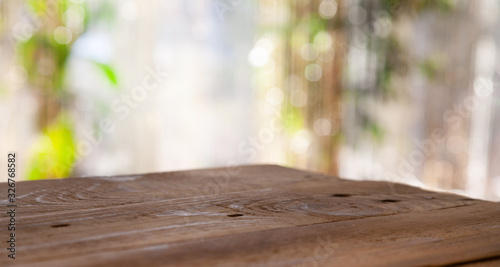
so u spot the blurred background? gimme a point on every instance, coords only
(402, 91)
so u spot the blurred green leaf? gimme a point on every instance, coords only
(316, 24)
(429, 68)
(53, 154)
(109, 72)
(376, 132)
(443, 6)
(39, 6)
(293, 120)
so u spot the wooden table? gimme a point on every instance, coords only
(247, 216)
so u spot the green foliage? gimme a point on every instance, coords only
(393, 66)
(429, 68)
(53, 154)
(27, 51)
(316, 24)
(384, 80)
(391, 6)
(443, 6)
(293, 120)
(412, 6)
(376, 132)
(109, 72)
(39, 7)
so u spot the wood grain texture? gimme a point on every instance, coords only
(247, 216)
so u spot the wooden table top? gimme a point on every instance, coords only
(247, 216)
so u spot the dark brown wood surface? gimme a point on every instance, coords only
(247, 216)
